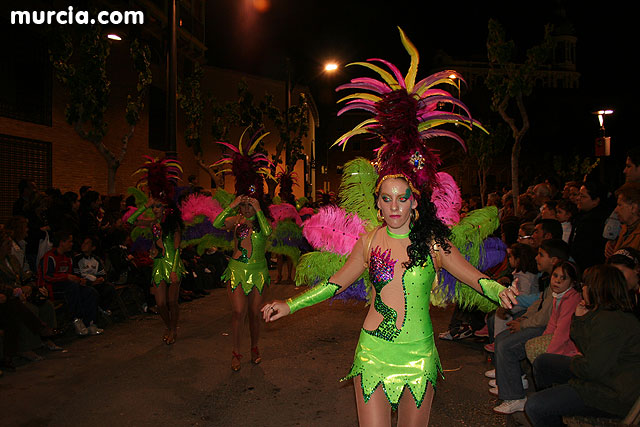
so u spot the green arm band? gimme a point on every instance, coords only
(219, 222)
(323, 291)
(491, 289)
(136, 214)
(265, 227)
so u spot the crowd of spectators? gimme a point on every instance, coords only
(68, 253)
(574, 336)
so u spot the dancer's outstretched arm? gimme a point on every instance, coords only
(349, 273)
(455, 264)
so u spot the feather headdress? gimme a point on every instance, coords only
(286, 179)
(406, 114)
(160, 177)
(247, 166)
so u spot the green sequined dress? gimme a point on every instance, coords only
(163, 265)
(399, 358)
(248, 272)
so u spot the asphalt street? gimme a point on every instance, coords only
(129, 377)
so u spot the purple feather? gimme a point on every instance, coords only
(357, 291)
(394, 70)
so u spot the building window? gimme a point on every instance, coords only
(25, 75)
(21, 159)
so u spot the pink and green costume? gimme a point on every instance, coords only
(247, 271)
(396, 358)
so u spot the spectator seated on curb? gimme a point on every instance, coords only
(510, 344)
(55, 272)
(604, 378)
(89, 267)
(14, 314)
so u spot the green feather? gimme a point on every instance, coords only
(356, 190)
(223, 197)
(208, 241)
(140, 196)
(468, 236)
(314, 267)
(138, 232)
(285, 229)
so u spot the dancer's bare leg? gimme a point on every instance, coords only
(411, 416)
(377, 411)
(255, 316)
(160, 294)
(239, 303)
(173, 294)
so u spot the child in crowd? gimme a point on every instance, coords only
(55, 271)
(565, 212)
(522, 260)
(565, 289)
(90, 267)
(525, 233)
(604, 379)
(509, 384)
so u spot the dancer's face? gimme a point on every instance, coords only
(396, 202)
(247, 210)
(158, 209)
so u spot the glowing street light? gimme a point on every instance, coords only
(114, 36)
(331, 66)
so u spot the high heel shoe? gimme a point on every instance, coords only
(255, 355)
(171, 338)
(235, 361)
(165, 336)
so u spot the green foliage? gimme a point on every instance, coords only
(507, 76)
(483, 148)
(193, 103)
(575, 168)
(292, 126)
(79, 59)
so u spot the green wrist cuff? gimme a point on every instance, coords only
(136, 214)
(219, 222)
(265, 227)
(491, 289)
(313, 296)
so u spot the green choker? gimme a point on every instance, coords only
(397, 236)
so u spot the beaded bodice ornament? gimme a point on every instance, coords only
(381, 267)
(242, 232)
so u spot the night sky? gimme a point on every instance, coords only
(241, 36)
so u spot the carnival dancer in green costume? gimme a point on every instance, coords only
(396, 349)
(247, 274)
(166, 226)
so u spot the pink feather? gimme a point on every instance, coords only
(199, 204)
(333, 230)
(446, 197)
(306, 211)
(284, 211)
(128, 213)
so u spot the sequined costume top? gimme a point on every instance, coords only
(396, 348)
(167, 256)
(248, 267)
(167, 261)
(400, 351)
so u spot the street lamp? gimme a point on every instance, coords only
(603, 143)
(330, 66)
